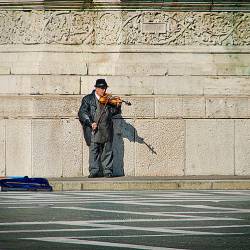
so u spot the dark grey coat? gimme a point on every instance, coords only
(87, 114)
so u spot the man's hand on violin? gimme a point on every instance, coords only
(94, 126)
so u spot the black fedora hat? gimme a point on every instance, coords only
(101, 83)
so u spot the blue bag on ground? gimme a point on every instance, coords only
(24, 184)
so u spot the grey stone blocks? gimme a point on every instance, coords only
(159, 147)
(37, 84)
(146, 147)
(57, 148)
(66, 106)
(242, 147)
(209, 147)
(2, 148)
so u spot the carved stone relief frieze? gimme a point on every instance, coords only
(68, 28)
(124, 28)
(174, 28)
(241, 34)
(45, 27)
(108, 27)
(210, 29)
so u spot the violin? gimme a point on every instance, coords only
(112, 100)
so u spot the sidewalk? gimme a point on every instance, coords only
(152, 183)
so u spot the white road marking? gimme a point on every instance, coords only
(83, 223)
(60, 230)
(143, 213)
(126, 236)
(122, 194)
(142, 203)
(110, 227)
(240, 211)
(157, 235)
(34, 199)
(243, 192)
(216, 226)
(99, 243)
(124, 212)
(215, 208)
(159, 230)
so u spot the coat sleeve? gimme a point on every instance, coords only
(84, 113)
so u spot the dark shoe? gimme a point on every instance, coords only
(108, 175)
(93, 175)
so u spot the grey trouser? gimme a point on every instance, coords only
(100, 158)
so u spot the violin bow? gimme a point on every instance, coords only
(151, 148)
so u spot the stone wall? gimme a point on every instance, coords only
(186, 75)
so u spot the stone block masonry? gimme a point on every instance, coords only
(186, 74)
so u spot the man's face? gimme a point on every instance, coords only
(100, 92)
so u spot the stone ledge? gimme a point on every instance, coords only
(152, 183)
(123, 49)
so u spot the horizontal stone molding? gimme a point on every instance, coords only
(150, 183)
(118, 5)
(143, 48)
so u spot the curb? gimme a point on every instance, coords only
(149, 184)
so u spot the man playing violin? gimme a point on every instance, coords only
(95, 116)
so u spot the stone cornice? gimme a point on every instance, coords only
(95, 5)
(21, 48)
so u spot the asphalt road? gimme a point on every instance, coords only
(125, 220)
